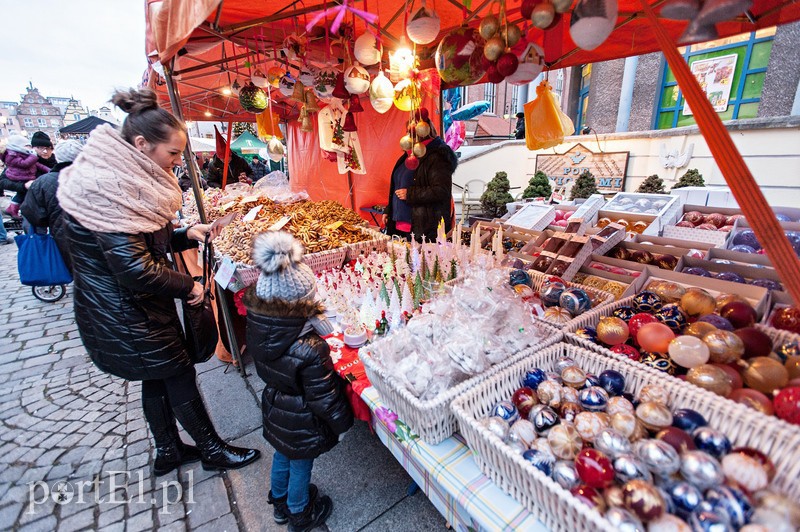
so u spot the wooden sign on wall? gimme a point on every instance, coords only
(609, 169)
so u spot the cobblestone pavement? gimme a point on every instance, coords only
(75, 449)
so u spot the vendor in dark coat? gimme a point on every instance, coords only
(119, 199)
(43, 146)
(304, 406)
(421, 197)
(41, 207)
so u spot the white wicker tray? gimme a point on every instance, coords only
(555, 506)
(432, 420)
(377, 242)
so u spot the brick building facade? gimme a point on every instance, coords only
(37, 113)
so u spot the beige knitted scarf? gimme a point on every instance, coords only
(114, 188)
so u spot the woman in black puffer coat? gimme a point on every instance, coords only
(118, 199)
(304, 406)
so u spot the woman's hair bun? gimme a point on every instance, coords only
(135, 101)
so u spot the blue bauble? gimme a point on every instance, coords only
(591, 380)
(593, 398)
(787, 350)
(672, 316)
(746, 238)
(730, 277)
(711, 441)
(783, 218)
(647, 302)
(696, 270)
(688, 420)
(769, 284)
(731, 502)
(741, 248)
(519, 277)
(685, 498)
(506, 411)
(550, 293)
(623, 313)
(539, 460)
(575, 301)
(612, 381)
(709, 522)
(543, 419)
(587, 333)
(717, 321)
(534, 377)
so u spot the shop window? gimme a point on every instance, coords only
(731, 71)
(583, 97)
(488, 95)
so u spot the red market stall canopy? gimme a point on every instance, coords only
(203, 45)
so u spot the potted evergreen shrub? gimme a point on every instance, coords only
(652, 185)
(584, 186)
(496, 196)
(538, 186)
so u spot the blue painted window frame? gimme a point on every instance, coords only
(736, 101)
(583, 95)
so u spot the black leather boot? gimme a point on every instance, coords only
(170, 450)
(281, 511)
(215, 453)
(315, 514)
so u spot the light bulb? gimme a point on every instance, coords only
(226, 91)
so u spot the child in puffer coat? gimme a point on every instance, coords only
(304, 407)
(21, 169)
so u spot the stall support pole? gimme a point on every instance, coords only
(227, 161)
(732, 165)
(174, 99)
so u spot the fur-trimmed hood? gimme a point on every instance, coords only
(278, 308)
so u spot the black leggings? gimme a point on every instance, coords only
(179, 389)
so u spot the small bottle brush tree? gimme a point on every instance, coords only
(692, 178)
(538, 186)
(652, 185)
(496, 196)
(584, 186)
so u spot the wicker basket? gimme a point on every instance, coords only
(325, 260)
(432, 420)
(377, 242)
(555, 506)
(590, 320)
(600, 298)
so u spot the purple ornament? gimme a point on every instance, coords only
(741, 248)
(731, 276)
(696, 270)
(747, 238)
(782, 218)
(717, 321)
(769, 284)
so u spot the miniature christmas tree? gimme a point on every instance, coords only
(407, 301)
(384, 294)
(538, 186)
(394, 307)
(584, 186)
(652, 185)
(367, 313)
(494, 199)
(424, 267)
(692, 178)
(437, 271)
(396, 290)
(419, 292)
(453, 270)
(408, 256)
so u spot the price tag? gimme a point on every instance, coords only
(225, 272)
(249, 199)
(279, 224)
(225, 220)
(251, 215)
(228, 205)
(334, 225)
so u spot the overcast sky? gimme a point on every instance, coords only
(80, 48)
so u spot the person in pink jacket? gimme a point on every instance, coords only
(22, 165)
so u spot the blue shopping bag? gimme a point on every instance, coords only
(39, 262)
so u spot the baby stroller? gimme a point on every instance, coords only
(41, 266)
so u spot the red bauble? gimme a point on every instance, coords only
(787, 318)
(679, 439)
(756, 343)
(694, 217)
(733, 375)
(754, 399)
(627, 350)
(594, 468)
(636, 322)
(486, 62)
(716, 219)
(525, 399)
(493, 75)
(507, 64)
(590, 497)
(655, 337)
(787, 405)
(707, 227)
(412, 163)
(685, 223)
(730, 220)
(526, 8)
(739, 313)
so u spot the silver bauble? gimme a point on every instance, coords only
(701, 469)
(565, 474)
(496, 426)
(660, 457)
(612, 442)
(543, 15)
(489, 26)
(629, 467)
(624, 521)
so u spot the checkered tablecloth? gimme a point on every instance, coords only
(451, 480)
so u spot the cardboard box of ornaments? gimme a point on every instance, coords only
(649, 254)
(653, 226)
(586, 212)
(749, 273)
(664, 208)
(742, 225)
(758, 297)
(563, 255)
(700, 233)
(673, 242)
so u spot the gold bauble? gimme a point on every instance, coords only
(562, 6)
(489, 26)
(511, 34)
(697, 302)
(698, 329)
(543, 15)
(494, 48)
(419, 150)
(423, 130)
(406, 143)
